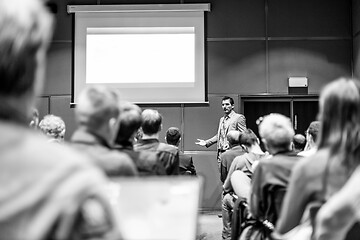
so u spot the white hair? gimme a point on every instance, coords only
(277, 130)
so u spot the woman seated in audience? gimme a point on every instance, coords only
(322, 174)
(54, 127)
(338, 215)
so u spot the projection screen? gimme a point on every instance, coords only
(151, 53)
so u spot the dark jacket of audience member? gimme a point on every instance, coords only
(147, 162)
(229, 155)
(97, 114)
(48, 191)
(151, 126)
(186, 165)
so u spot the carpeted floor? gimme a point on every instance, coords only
(210, 226)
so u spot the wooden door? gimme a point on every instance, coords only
(304, 112)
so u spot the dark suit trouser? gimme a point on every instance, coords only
(218, 157)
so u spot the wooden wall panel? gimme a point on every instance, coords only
(356, 16)
(140, 1)
(42, 105)
(356, 39)
(294, 18)
(320, 61)
(236, 67)
(203, 122)
(58, 72)
(206, 167)
(63, 20)
(234, 18)
(356, 56)
(60, 106)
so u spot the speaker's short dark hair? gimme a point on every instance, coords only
(226, 98)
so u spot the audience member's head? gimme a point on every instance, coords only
(339, 113)
(299, 142)
(248, 138)
(139, 134)
(313, 131)
(233, 138)
(25, 33)
(130, 122)
(34, 119)
(53, 126)
(276, 132)
(173, 136)
(151, 122)
(97, 111)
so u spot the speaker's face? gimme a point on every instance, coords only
(227, 106)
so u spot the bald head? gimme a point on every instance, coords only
(299, 142)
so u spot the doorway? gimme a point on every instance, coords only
(301, 110)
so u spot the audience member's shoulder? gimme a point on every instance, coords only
(168, 148)
(119, 155)
(316, 160)
(241, 157)
(183, 155)
(45, 152)
(279, 159)
(148, 156)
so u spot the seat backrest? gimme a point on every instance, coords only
(274, 198)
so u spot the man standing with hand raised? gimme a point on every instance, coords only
(230, 121)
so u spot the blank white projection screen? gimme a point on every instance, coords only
(148, 55)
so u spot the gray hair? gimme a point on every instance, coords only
(277, 130)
